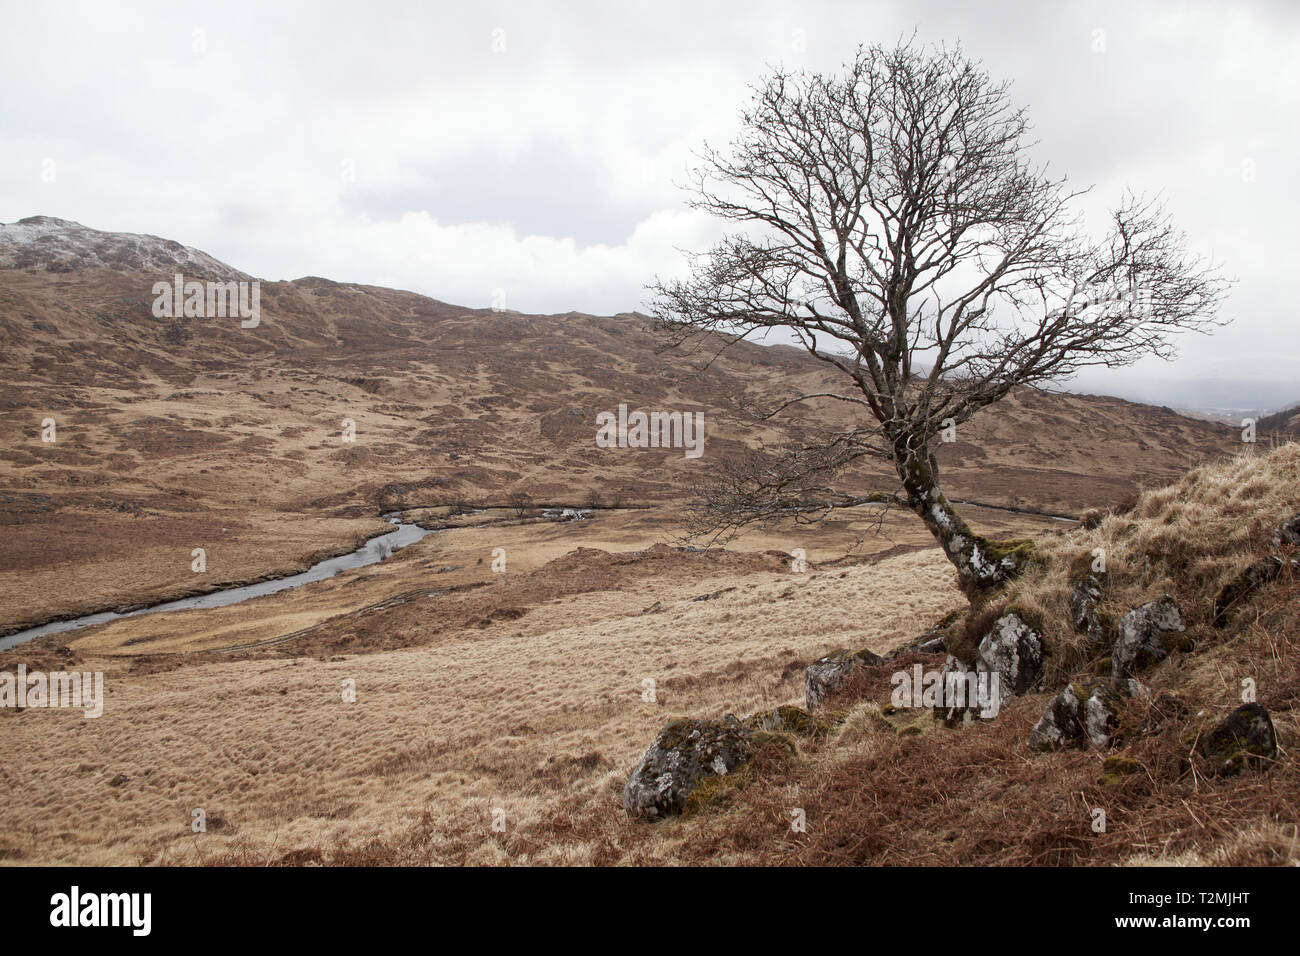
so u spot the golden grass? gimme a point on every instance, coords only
(519, 714)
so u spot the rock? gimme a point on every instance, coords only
(1288, 534)
(933, 641)
(825, 676)
(684, 755)
(1084, 615)
(1008, 661)
(1244, 739)
(1060, 726)
(1077, 714)
(1099, 715)
(787, 719)
(1244, 585)
(967, 692)
(1014, 651)
(1146, 635)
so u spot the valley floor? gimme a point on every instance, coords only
(509, 691)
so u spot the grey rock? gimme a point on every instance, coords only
(1077, 715)
(1084, 615)
(1014, 651)
(824, 677)
(1099, 716)
(1146, 635)
(1246, 738)
(1060, 726)
(686, 753)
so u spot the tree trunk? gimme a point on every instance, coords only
(982, 564)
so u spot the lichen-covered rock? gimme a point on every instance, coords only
(1060, 726)
(1014, 651)
(1244, 739)
(1077, 714)
(1007, 662)
(684, 755)
(933, 641)
(787, 719)
(967, 692)
(1100, 715)
(825, 676)
(1289, 534)
(1244, 585)
(1146, 635)
(1084, 613)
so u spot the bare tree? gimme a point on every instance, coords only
(521, 502)
(891, 218)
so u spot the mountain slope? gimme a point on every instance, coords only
(176, 432)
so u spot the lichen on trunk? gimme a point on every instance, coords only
(982, 564)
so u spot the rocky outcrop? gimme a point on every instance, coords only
(1013, 650)
(1146, 635)
(786, 719)
(686, 754)
(1085, 599)
(1079, 715)
(824, 677)
(1245, 739)
(1008, 662)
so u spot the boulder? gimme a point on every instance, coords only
(1014, 651)
(1084, 615)
(1100, 720)
(684, 755)
(1060, 726)
(1146, 635)
(1244, 739)
(825, 676)
(787, 719)
(968, 692)
(1008, 661)
(1078, 714)
(1244, 585)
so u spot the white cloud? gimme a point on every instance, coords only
(391, 145)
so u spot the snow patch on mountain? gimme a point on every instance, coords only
(57, 245)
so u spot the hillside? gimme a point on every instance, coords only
(1284, 424)
(178, 433)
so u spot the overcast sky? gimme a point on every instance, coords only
(533, 151)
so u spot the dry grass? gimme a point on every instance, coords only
(889, 788)
(522, 714)
(540, 714)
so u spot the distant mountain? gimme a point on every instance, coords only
(474, 403)
(57, 245)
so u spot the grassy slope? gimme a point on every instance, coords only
(540, 714)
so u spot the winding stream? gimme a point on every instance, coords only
(372, 552)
